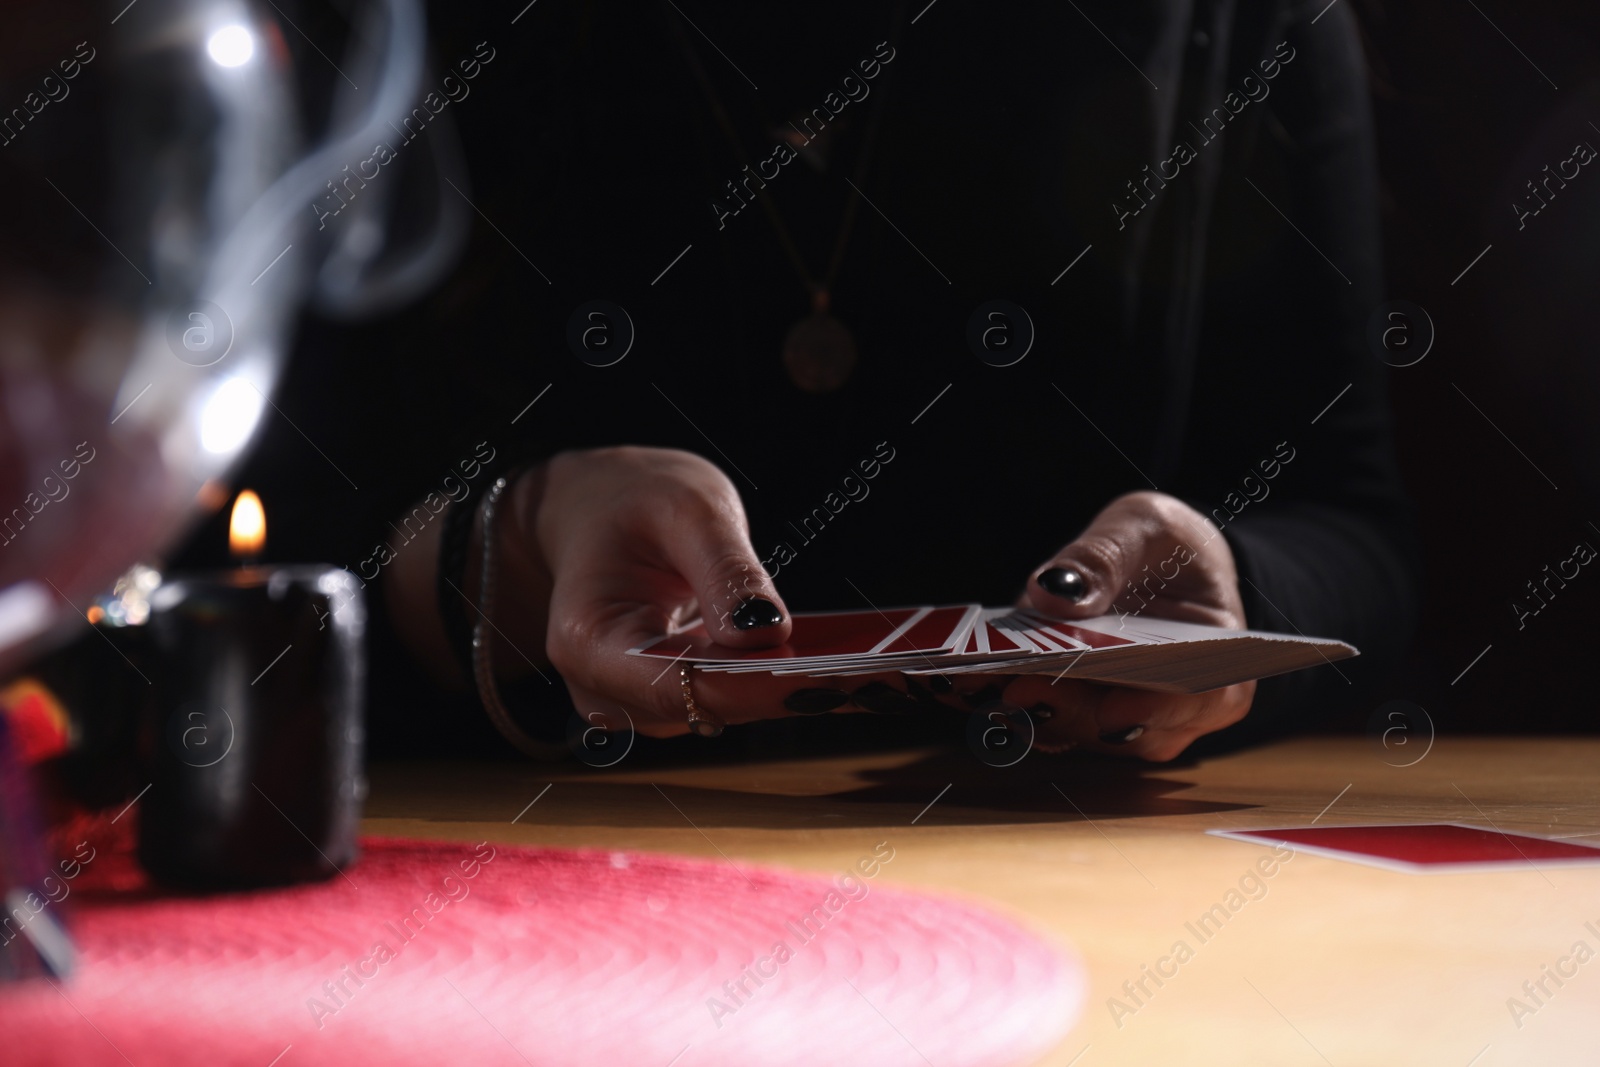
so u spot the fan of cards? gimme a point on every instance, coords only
(1127, 650)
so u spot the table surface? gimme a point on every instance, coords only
(1334, 963)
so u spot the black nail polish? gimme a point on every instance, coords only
(1122, 737)
(816, 701)
(1042, 712)
(1064, 582)
(979, 697)
(883, 699)
(755, 614)
(940, 684)
(919, 692)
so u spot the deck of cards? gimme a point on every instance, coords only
(1127, 650)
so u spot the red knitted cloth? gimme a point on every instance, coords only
(433, 953)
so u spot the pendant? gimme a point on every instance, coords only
(818, 351)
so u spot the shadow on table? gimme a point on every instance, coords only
(953, 789)
(940, 787)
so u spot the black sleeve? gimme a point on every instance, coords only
(1290, 411)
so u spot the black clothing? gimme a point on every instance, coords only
(1214, 324)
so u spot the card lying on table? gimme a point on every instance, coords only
(1138, 652)
(1423, 848)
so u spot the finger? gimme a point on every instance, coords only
(603, 676)
(1125, 710)
(957, 692)
(1087, 576)
(707, 540)
(737, 698)
(589, 645)
(1062, 710)
(1134, 719)
(1133, 722)
(741, 701)
(605, 713)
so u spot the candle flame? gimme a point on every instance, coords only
(247, 528)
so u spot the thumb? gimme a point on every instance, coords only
(1086, 577)
(738, 602)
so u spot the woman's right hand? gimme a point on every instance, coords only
(632, 543)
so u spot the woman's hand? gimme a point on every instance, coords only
(1145, 554)
(637, 542)
(600, 551)
(631, 543)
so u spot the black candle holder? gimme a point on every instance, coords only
(252, 735)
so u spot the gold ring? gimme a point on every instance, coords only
(701, 721)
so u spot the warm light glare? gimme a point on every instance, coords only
(231, 46)
(95, 613)
(247, 529)
(211, 496)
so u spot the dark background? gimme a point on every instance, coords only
(1463, 122)
(1464, 117)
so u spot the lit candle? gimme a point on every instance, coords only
(247, 527)
(254, 729)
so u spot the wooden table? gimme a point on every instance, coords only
(1331, 962)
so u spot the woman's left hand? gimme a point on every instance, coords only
(1151, 554)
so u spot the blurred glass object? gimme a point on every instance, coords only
(156, 244)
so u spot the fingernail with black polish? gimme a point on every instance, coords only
(940, 684)
(883, 699)
(757, 613)
(920, 692)
(1042, 712)
(816, 701)
(1122, 737)
(1064, 582)
(979, 697)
